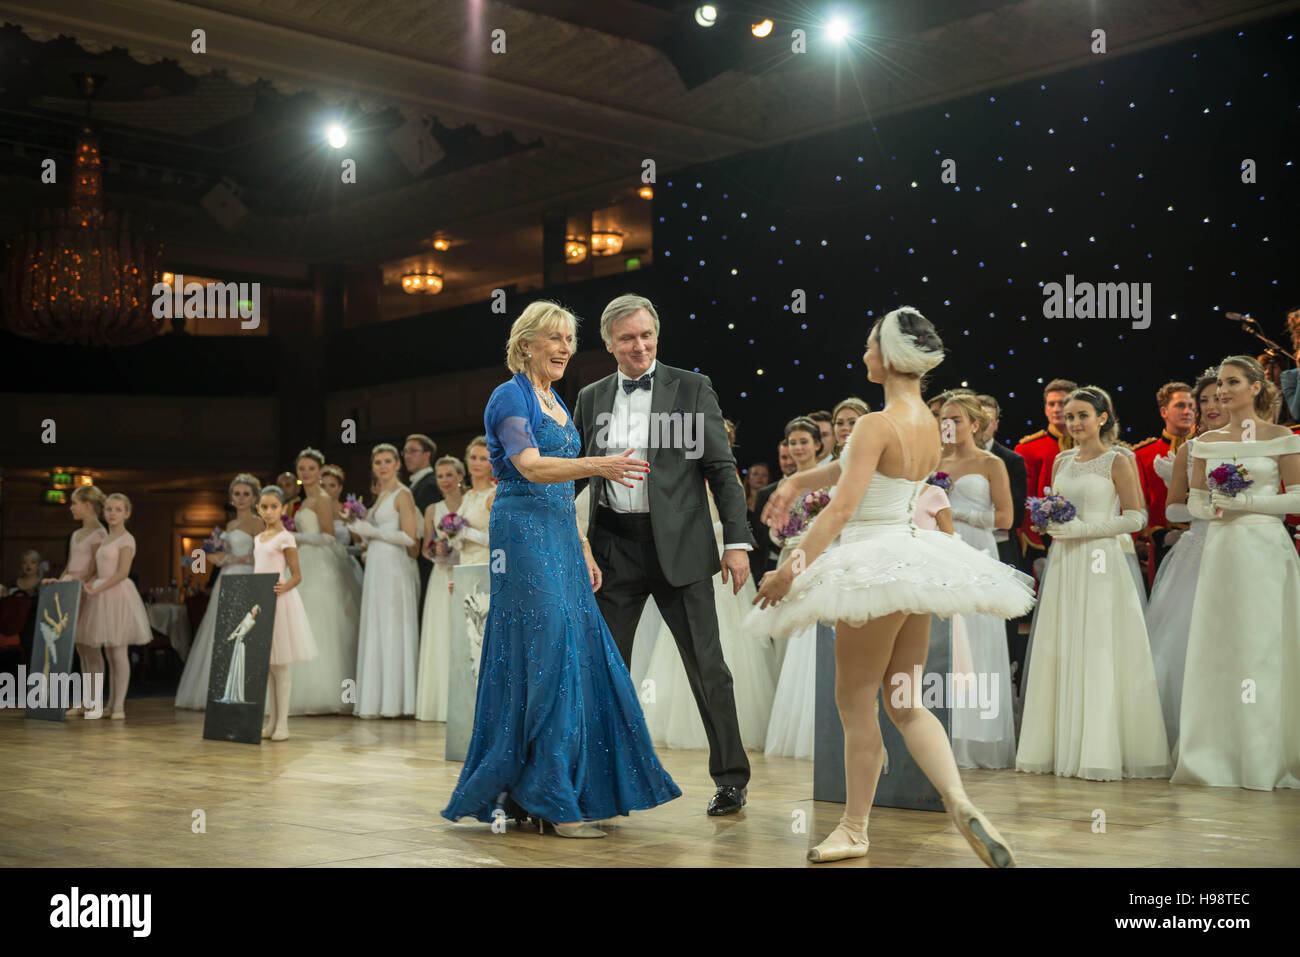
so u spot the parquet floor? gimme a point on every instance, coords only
(349, 793)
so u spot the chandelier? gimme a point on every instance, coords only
(606, 242)
(428, 283)
(80, 275)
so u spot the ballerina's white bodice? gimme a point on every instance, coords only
(886, 505)
(240, 544)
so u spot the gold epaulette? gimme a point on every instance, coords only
(1144, 442)
(1030, 438)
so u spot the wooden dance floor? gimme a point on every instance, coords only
(350, 793)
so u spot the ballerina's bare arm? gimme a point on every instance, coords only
(778, 504)
(859, 465)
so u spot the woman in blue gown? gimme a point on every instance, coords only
(558, 728)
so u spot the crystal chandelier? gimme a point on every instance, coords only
(80, 275)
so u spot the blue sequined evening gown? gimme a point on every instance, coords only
(558, 729)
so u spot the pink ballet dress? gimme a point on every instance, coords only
(114, 617)
(291, 639)
(79, 562)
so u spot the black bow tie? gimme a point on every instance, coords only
(631, 385)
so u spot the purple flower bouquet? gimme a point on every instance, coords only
(802, 514)
(1228, 479)
(941, 479)
(287, 522)
(1045, 510)
(352, 508)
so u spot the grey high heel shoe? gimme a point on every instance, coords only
(582, 829)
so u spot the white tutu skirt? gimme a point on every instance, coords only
(880, 569)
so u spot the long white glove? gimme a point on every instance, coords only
(1261, 503)
(1163, 465)
(471, 534)
(975, 517)
(1177, 513)
(313, 538)
(1198, 503)
(394, 536)
(1132, 520)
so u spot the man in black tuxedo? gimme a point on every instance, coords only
(418, 453)
(766, 555)
(1008, 546)
(657, 538)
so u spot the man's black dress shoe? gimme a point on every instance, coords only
(728, 799)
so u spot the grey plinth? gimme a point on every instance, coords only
(471, 582)
(902, 784)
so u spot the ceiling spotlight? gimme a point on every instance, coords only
(441, 245)
(336, 136)
(838, 29)
(646, 192)
(706, 15)
(761, 29)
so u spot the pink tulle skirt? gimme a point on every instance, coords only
(292, 638)
(114, 618)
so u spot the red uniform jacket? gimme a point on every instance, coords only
(1154, 489)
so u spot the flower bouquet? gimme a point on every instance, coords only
(1048, 509)
(213, 543)
(941, 479)
(352, 508)
(446, 528)
(287, 522)
(1228, 479)
(802, 514)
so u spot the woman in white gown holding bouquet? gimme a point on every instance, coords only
(330, 595)
(1239, 723)
(882, 583)
(236, 558)
(431, 687)
(1091, 706)
(983, 721)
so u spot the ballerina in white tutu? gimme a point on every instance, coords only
(1169, 612)
(1239, 723)
(1091, 707)
(881, 584)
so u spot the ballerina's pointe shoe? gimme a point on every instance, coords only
(849, 839)
(991, 846)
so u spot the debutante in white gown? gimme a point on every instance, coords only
(332, 599)
(1239, 723)
(431, 688)
(671, 712)
(792, 725)
(1169, 613)
(389, 635)
(1091, 706)
(192, 692)
(983, 727)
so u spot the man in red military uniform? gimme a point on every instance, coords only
(1179, 414)
(1039, 452)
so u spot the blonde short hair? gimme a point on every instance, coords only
(451, 460)
(118, 496)
(621, 308)
(92, 494)
(538, 317)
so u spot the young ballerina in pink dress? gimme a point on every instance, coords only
(274, 550)
(87, 507)
(115, 618)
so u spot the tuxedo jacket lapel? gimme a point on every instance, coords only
(662, 398)
(602, 401)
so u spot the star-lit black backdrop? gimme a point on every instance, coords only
(1126, 170)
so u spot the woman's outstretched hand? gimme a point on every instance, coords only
(777, 509)
(619, 468)
(775, 586)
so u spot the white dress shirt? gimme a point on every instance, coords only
(630, 428)
(419, 475)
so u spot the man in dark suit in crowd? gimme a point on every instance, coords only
(418, 453)
(766, 555)
(1008, 542)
